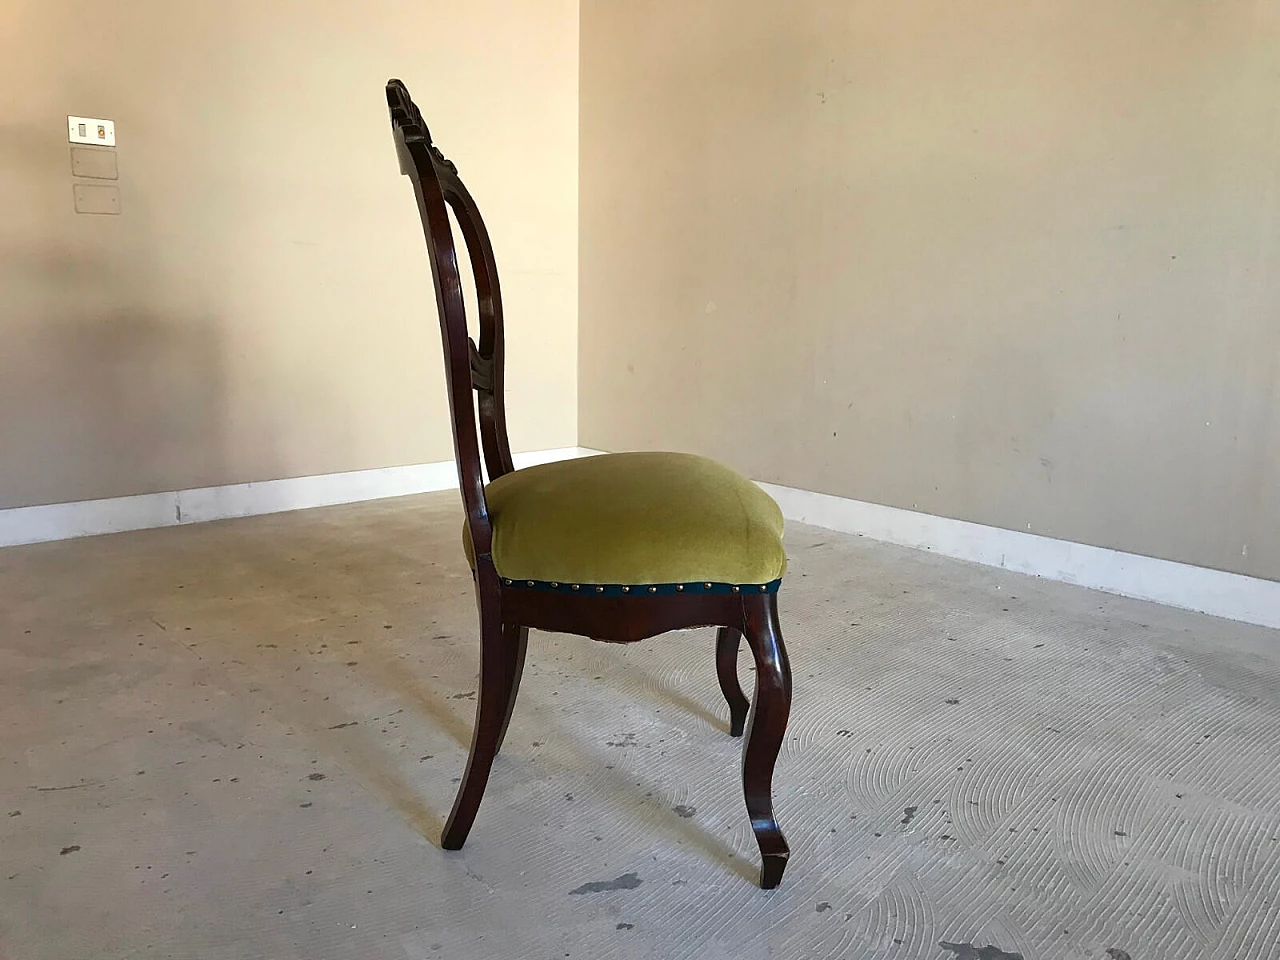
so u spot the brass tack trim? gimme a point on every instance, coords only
(599, 589)
(528, 583)
(575, 586)
(735, 589)
(679, 588)
(507, 582)
(653, 589)
(706, 586)
(554, 584)
(626, 589)
(764, 587)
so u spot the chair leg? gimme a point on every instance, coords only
(765, 732)
(727, 670)
(518, 638)
(502, 650)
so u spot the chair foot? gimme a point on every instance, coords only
(765, 733)
(727, 670)
(502, 650)
(453, 839)
(772, 866)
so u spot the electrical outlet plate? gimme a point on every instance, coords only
(91, 130)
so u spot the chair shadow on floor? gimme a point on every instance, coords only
(383, 783)
(344, 735)
(413, 690)
(624, 789)
(649, 683)
(410, 688)
(620, 787)
(380, 773)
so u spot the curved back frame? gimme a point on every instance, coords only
(467, 366)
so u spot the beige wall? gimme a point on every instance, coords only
(262, 308)
(1017, 263)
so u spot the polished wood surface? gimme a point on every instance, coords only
(508, 612)
(727, 640)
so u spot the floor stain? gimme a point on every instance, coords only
(908, 814)
(628, 881)
(625, 926)
(1115, 953)
(823, 907)
(967, 951)
(72, 786)
(71, 849)
(681, 810)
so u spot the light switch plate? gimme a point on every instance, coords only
(91, 130)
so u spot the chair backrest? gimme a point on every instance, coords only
(467, 366)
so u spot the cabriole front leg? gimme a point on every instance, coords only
(765, 732)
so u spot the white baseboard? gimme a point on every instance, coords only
(1228, 595)
(85, 518)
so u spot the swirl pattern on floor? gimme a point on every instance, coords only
(243, 737)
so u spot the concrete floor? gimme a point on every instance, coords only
(238, 740)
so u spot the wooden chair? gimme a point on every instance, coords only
(617, 547)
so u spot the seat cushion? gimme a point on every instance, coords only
(633, 518)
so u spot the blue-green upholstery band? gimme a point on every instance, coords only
(645, 589)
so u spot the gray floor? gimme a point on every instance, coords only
(238, 740)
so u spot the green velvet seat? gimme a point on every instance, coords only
(634, 519)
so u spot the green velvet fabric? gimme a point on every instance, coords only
(633, 518)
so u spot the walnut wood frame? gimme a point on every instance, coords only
(508, 612)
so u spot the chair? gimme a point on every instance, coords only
(617, 547)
